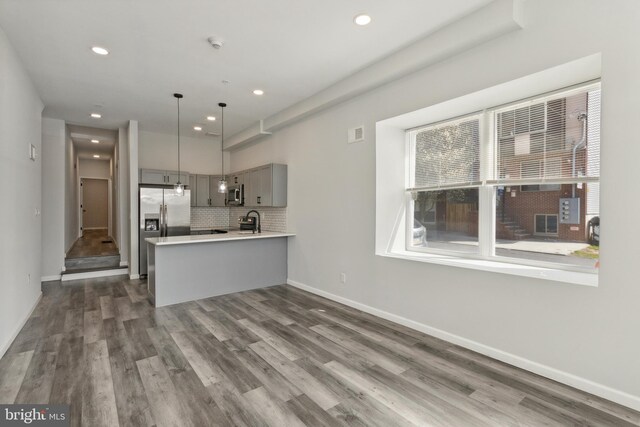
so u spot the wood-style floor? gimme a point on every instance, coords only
(92, 244)
(272, 357)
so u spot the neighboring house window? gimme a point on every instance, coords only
(546, 224)
(517, 183)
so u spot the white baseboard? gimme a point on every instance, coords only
(50, 278)
(580, 383)
(134, 276)
(94, 274)
(6, 346)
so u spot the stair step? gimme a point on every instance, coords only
(92, 269)
(100, 262)
(93, 273)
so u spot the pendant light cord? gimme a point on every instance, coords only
(222, 105)
(178, 139)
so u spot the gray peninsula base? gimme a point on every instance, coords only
(180, 273)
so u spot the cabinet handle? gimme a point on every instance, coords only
(259, 200)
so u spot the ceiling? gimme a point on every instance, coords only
(85, 149)
(291, 49)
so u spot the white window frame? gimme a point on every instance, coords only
(486, 187)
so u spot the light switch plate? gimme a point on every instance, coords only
(33, 152)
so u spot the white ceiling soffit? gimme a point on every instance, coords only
(85, 149)
(495, 19)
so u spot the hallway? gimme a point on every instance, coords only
(94, 250)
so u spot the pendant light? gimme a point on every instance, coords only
(222, 184)
(179, 187)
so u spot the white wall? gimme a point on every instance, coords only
(20, 252)
(587, 335)
(132, 195)
(197, 155)
(89, 168)
(53, 197)
(71, 200)
(115, 202)
(123, 196)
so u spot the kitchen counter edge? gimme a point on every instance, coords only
(213, 238)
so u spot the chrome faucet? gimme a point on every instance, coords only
(258, 219)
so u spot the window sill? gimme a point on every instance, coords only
(572, 277)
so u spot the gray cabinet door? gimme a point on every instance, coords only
(193, 187)
(172, 177)
(251, 188)
(202, 190)
(150, 176)
(265, 186)
(279, 185)
(217, 199)
(236, 179)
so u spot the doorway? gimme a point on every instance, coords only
(95, 249)
(94, 202)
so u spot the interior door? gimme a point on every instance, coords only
(95, 204)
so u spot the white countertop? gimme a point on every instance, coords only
(213, 238)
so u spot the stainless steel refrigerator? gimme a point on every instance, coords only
(163, 213)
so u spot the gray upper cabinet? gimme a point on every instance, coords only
(206, 193)
(236, 178)
(217, 199)
(163, 177)
(193, 187)
(149, 176)
(202, 190)
(173, 177)
(266, 186)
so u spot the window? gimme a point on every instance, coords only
(516, 183)
(447, 155)
(546, 224)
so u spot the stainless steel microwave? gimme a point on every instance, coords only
(235, 195)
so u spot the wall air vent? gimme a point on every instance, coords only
(356, 135)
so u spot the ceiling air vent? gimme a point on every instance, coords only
(356, 135)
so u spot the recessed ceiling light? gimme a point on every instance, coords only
(198, 128)
(95, 141)
(96, 156)
(211, 118)
(258, 92)
(362, 19)
(100, 50)
(96, 115)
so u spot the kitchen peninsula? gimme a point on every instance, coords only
(187, 268)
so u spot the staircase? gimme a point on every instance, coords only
(92, 266)
(510, 230)
(92, 255)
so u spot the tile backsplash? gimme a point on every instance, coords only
(209, 217)
(272, 219)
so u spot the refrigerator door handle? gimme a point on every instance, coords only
(161, 223)
(166, 221)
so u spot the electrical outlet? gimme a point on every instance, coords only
(343, 278)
